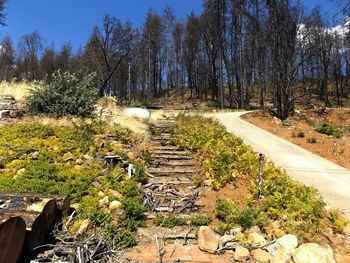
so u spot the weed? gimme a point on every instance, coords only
(140, 174)
(133, 209)
(300, 134)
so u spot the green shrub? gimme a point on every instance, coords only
(226, 210)
(128, 188)
(301, 134)
(90, 208)
(133, 209)
(123, 134)
(330, 130)
(140, 174)
(169, 221)
(311, 140)
(122, 233)
(66, 95)
(201, 220)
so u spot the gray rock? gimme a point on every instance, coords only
(104, 201)
(235, 231)
(115, 205)
(253, 229)
(256, 238)
(281, 251)
(207, 239)
(312, 252)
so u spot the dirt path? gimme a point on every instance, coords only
(332, 180)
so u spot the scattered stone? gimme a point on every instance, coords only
(312, 252)
(207, 239)
(75, 206)
(260, 255)
(289, 242)
(277, 121)
(116, 194)
(88, 157)
(256, 238)
(101, 194)
(224, 239)
(253, 229)
(79, 161)
(104, 201)
(208, 183)
(280, 255)
(115, 205)
(21, 171)
(96, 183)
(131, 155)
(241, 254)
(77, 167)
(35, 155)
(235, 231)
(83, 227)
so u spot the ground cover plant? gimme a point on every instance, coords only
(225, 158)
(69, 160)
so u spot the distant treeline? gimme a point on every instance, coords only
(271, 49)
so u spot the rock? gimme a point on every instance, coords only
(208, 183)
(104, 201)
(280, 255)
(260, 255)
(312, 252)
(21, 171)
(83, 227)
(277, 121)
(289, 242)
(116, 194)
(224, 239)
(253, 229)
(207, 239)
(79, 161)
(35, 155)
(101, 194)
(241, 254)
(75, 206)
(115, 205)
(88, 157)
(255, 238)
(77, 167)
(235, 231)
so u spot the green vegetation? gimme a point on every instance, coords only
(311, 140)
(225, 158)
(169, 221)
(201, 220)
(67, 160)
(339, 221)
(330, 130)
(301, 134)
(66, 95)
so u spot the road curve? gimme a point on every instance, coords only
(332, 180)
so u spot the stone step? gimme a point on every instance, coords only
(172, 163)
(172, 157)
(173, 152)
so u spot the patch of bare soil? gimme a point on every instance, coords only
(300, 129)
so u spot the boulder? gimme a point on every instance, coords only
(136, 112)
(235, 231)
(313, 253)
(283, 248)
(207, 239)
(241, 254)
(260, 255)
(256, 238)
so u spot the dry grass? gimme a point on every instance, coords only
(19, 90)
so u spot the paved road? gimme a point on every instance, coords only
(332, 180)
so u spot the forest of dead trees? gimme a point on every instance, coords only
(233, 51)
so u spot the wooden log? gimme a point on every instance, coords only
(12, 236)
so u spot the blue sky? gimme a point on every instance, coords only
(62, 20)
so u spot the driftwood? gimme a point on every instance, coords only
(37, 214)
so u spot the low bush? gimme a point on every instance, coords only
(201, 220)
(169, 221)
(339, 221)
(330, 130)
(66, 95)
(301, 134)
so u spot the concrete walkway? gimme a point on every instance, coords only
(332, 180)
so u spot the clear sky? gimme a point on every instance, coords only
(62, 20)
